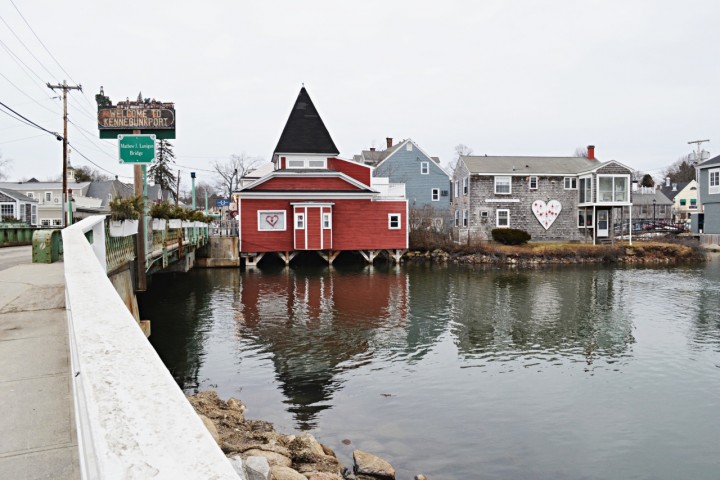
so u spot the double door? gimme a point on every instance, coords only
(313, 227)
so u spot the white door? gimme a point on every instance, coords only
(602, 222)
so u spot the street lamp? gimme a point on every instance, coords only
(654, 203)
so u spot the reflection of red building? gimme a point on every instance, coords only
(314, 201)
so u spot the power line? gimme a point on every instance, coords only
(31, 123)
(24, 93)
(25, 70)
(41, 43)
(21, 139)
(26, 47)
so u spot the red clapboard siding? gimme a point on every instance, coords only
(306, 184)
(313, 229)
(356, 225)
(359, 172)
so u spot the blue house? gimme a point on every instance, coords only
(709, 194)
(427, 184)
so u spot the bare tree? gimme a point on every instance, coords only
(461, 150)
(231, 171)
(4, 167)
(680, 171)
(581, 152)
(88, 174)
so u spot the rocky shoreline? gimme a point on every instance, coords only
(650, 253)
(258, 452)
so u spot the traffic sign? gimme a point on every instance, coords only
(222, 202)
(136, 148)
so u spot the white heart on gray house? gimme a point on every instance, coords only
(546, 213)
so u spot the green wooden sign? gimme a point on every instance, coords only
(136, 148)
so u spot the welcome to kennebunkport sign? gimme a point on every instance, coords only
(147, 116)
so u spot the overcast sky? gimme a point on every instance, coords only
(638, 79)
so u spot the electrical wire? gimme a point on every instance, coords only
(26, 47)
(24, 93)
(21, 139)
(30, 122)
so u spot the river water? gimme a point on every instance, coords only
(464, 373)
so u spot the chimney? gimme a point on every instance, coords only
(372, 149)
(388, 141)
(667, 181)
(674, 187)
(591, 152)
(635, 186)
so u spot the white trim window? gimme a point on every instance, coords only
(456, 186)
(465, 218)
(271, 220)
(570, 183)
(57, 222)
(586, 190)
(306, 163)
(33, 215)
(714, 181)
(503, 185)
(585, 219)
(502, 218)
(326, 221)
(613, 188)
(533, 183)
(299, 221)
(466, 184)
(457, 218)
(48, 197)
(394, 221)
(30, 195)
(435, 195)
(45, 222)
(424, 168)
(7, 210)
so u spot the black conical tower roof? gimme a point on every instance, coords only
(305, 131)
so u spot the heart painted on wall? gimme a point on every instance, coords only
(272, 220)
(546, 213)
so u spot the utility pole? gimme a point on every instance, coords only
(64, 87)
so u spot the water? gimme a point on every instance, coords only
(459, 373)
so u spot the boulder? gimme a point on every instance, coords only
(257, 468)
(323, 476)
(211, 428)
(286, 473)
(237, 463)
(367, 464)
(273, 458)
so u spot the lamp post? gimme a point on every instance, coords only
(654, 203)
(192, 177)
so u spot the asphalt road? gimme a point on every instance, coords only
(11, 256)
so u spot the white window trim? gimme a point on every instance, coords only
(456, 184)
(497, 218)
(299, 221)
(45, 196)
(327, 221)
(8, 204)
(435, 195)
(530, 182)
(457, 217)
(57, 222)
(714, 189)
(424, 168)
(466, 185)
(587, 179)
(465, 218)
(45, 222)
(571, 180)
(509, 182)
(281, 213)
(390, 221)
(613, 177)
(30, 195)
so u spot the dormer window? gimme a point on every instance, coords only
(306, 163)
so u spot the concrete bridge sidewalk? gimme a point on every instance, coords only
(37, 422)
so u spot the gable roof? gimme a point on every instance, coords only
(670, 193)
(710, 163)
(17, 195)
(309, 175)
(643, 198)
(528, 165)
(305, 131)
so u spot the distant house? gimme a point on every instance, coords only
(709, 193)
(427, 184)
(684, 196)
(552, 198)
(50, 196)
(20, 207)
(650, 205)
(314, 201)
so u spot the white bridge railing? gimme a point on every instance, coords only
(133, 421)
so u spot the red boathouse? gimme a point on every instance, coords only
(315, 201)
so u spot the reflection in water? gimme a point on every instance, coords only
(550, 373)
(541, 316)
(319, 323)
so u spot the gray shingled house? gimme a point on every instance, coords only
(552, 198)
